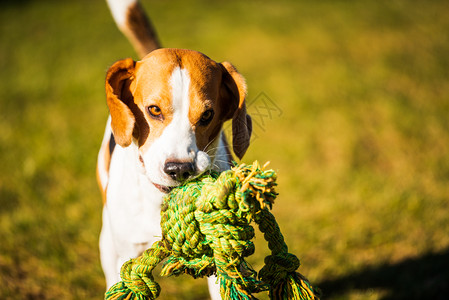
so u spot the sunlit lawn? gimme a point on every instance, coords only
(350, 101)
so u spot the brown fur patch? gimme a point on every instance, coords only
(119, 99)
(140, 31)
(105, 157)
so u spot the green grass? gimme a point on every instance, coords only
(359, 135)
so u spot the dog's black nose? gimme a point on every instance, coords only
(179, 171)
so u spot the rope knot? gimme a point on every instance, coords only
(278, 267)
(206, 229)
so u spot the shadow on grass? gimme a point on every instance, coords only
(425, 277)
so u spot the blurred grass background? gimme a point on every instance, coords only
(351, 106)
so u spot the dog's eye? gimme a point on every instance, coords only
(155, 112)
(206, 117)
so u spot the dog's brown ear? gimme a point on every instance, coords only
(119, 97)
(235, 90)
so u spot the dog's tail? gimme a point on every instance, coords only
(132, 20)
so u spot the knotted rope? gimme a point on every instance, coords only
(206, 228)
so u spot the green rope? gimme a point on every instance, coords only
(206, 228)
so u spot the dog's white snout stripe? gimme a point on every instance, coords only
(177, 142)
(184, 136)
(180, 132)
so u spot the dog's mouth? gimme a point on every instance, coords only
(164, 189)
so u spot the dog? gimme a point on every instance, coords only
(165, 127)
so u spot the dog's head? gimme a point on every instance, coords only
(172, 106)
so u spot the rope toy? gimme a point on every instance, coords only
(206, 228)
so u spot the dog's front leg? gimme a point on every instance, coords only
(214, 288)
(108, 253)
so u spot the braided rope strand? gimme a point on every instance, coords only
(137, 278)
(279, 272)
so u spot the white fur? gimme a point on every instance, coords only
(131, 215)
(119, 10)
(214, 288)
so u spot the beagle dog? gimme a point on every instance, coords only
(165, 127)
